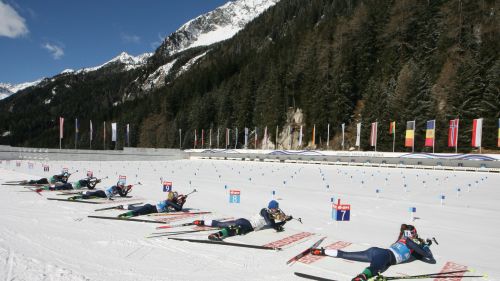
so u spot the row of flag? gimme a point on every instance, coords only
(91, 132)
(430, 134)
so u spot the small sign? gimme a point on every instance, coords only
(234, 196)
(122, 179)
(167, 186)
(341, 212)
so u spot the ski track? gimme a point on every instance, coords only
(49, 240)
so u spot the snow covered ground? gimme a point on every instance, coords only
(53, 240)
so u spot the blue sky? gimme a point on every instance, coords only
(42, 38)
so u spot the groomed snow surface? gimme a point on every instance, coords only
(54, 240)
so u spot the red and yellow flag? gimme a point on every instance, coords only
(410, 133)
(392, 127)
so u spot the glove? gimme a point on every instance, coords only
(280, 229)
(289, 218)
(428, 241)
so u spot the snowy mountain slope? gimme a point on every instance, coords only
(215, 26)
(7, 89)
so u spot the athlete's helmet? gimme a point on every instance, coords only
(273, 204)
(410, 231)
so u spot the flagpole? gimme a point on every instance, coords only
(393, 138)
(328, 137)
(456, 143)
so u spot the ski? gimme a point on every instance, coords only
(312, 277)
(75, 200)
(440, 275)
(161, 234)
(225, 243)
(181, 224)
(305, 252)
(179, 213)
(124, 219)
(114, 207)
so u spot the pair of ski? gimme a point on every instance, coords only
(142, 220)
(440, 275)
(294, 259)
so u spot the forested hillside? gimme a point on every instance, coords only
(339, 61)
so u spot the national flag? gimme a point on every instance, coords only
(373, 134)
(343, 129)
(498, 139)
(314, 135)
(128, 134)
(195, 138)
(358, 134)
(246, 137)
(300, 135)
(430, 132)
(91, 130)
(265, 135)
(392, 128)
(61, 127)
(202, 138)
(113, 132)
(410, 134)
(477, 131)
(453, 133)
(76, 127)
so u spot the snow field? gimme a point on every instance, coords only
(49, 240)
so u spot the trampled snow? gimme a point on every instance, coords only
(51, 240)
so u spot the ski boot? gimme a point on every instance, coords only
(199, 222)
(318, 251)
(215, 236)
(360, 277)
(126, 215)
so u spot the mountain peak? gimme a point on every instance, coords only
(215, 26)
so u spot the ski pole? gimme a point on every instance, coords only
(435, 241)
(194, 190)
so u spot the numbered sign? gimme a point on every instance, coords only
(341, 212)
(122, 179)
(46, 168)
(167, 186)
(90, 174)
(234, 196)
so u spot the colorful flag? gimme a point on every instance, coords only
(314, 135)
(113, 132)
(453, 133)
(477, 131)
(202, 138)
(373, 134)
(498, 139)
(410, 134)
(61, 127)
(429, 133)
(76, 127)
(358, 134)
(392, 128)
